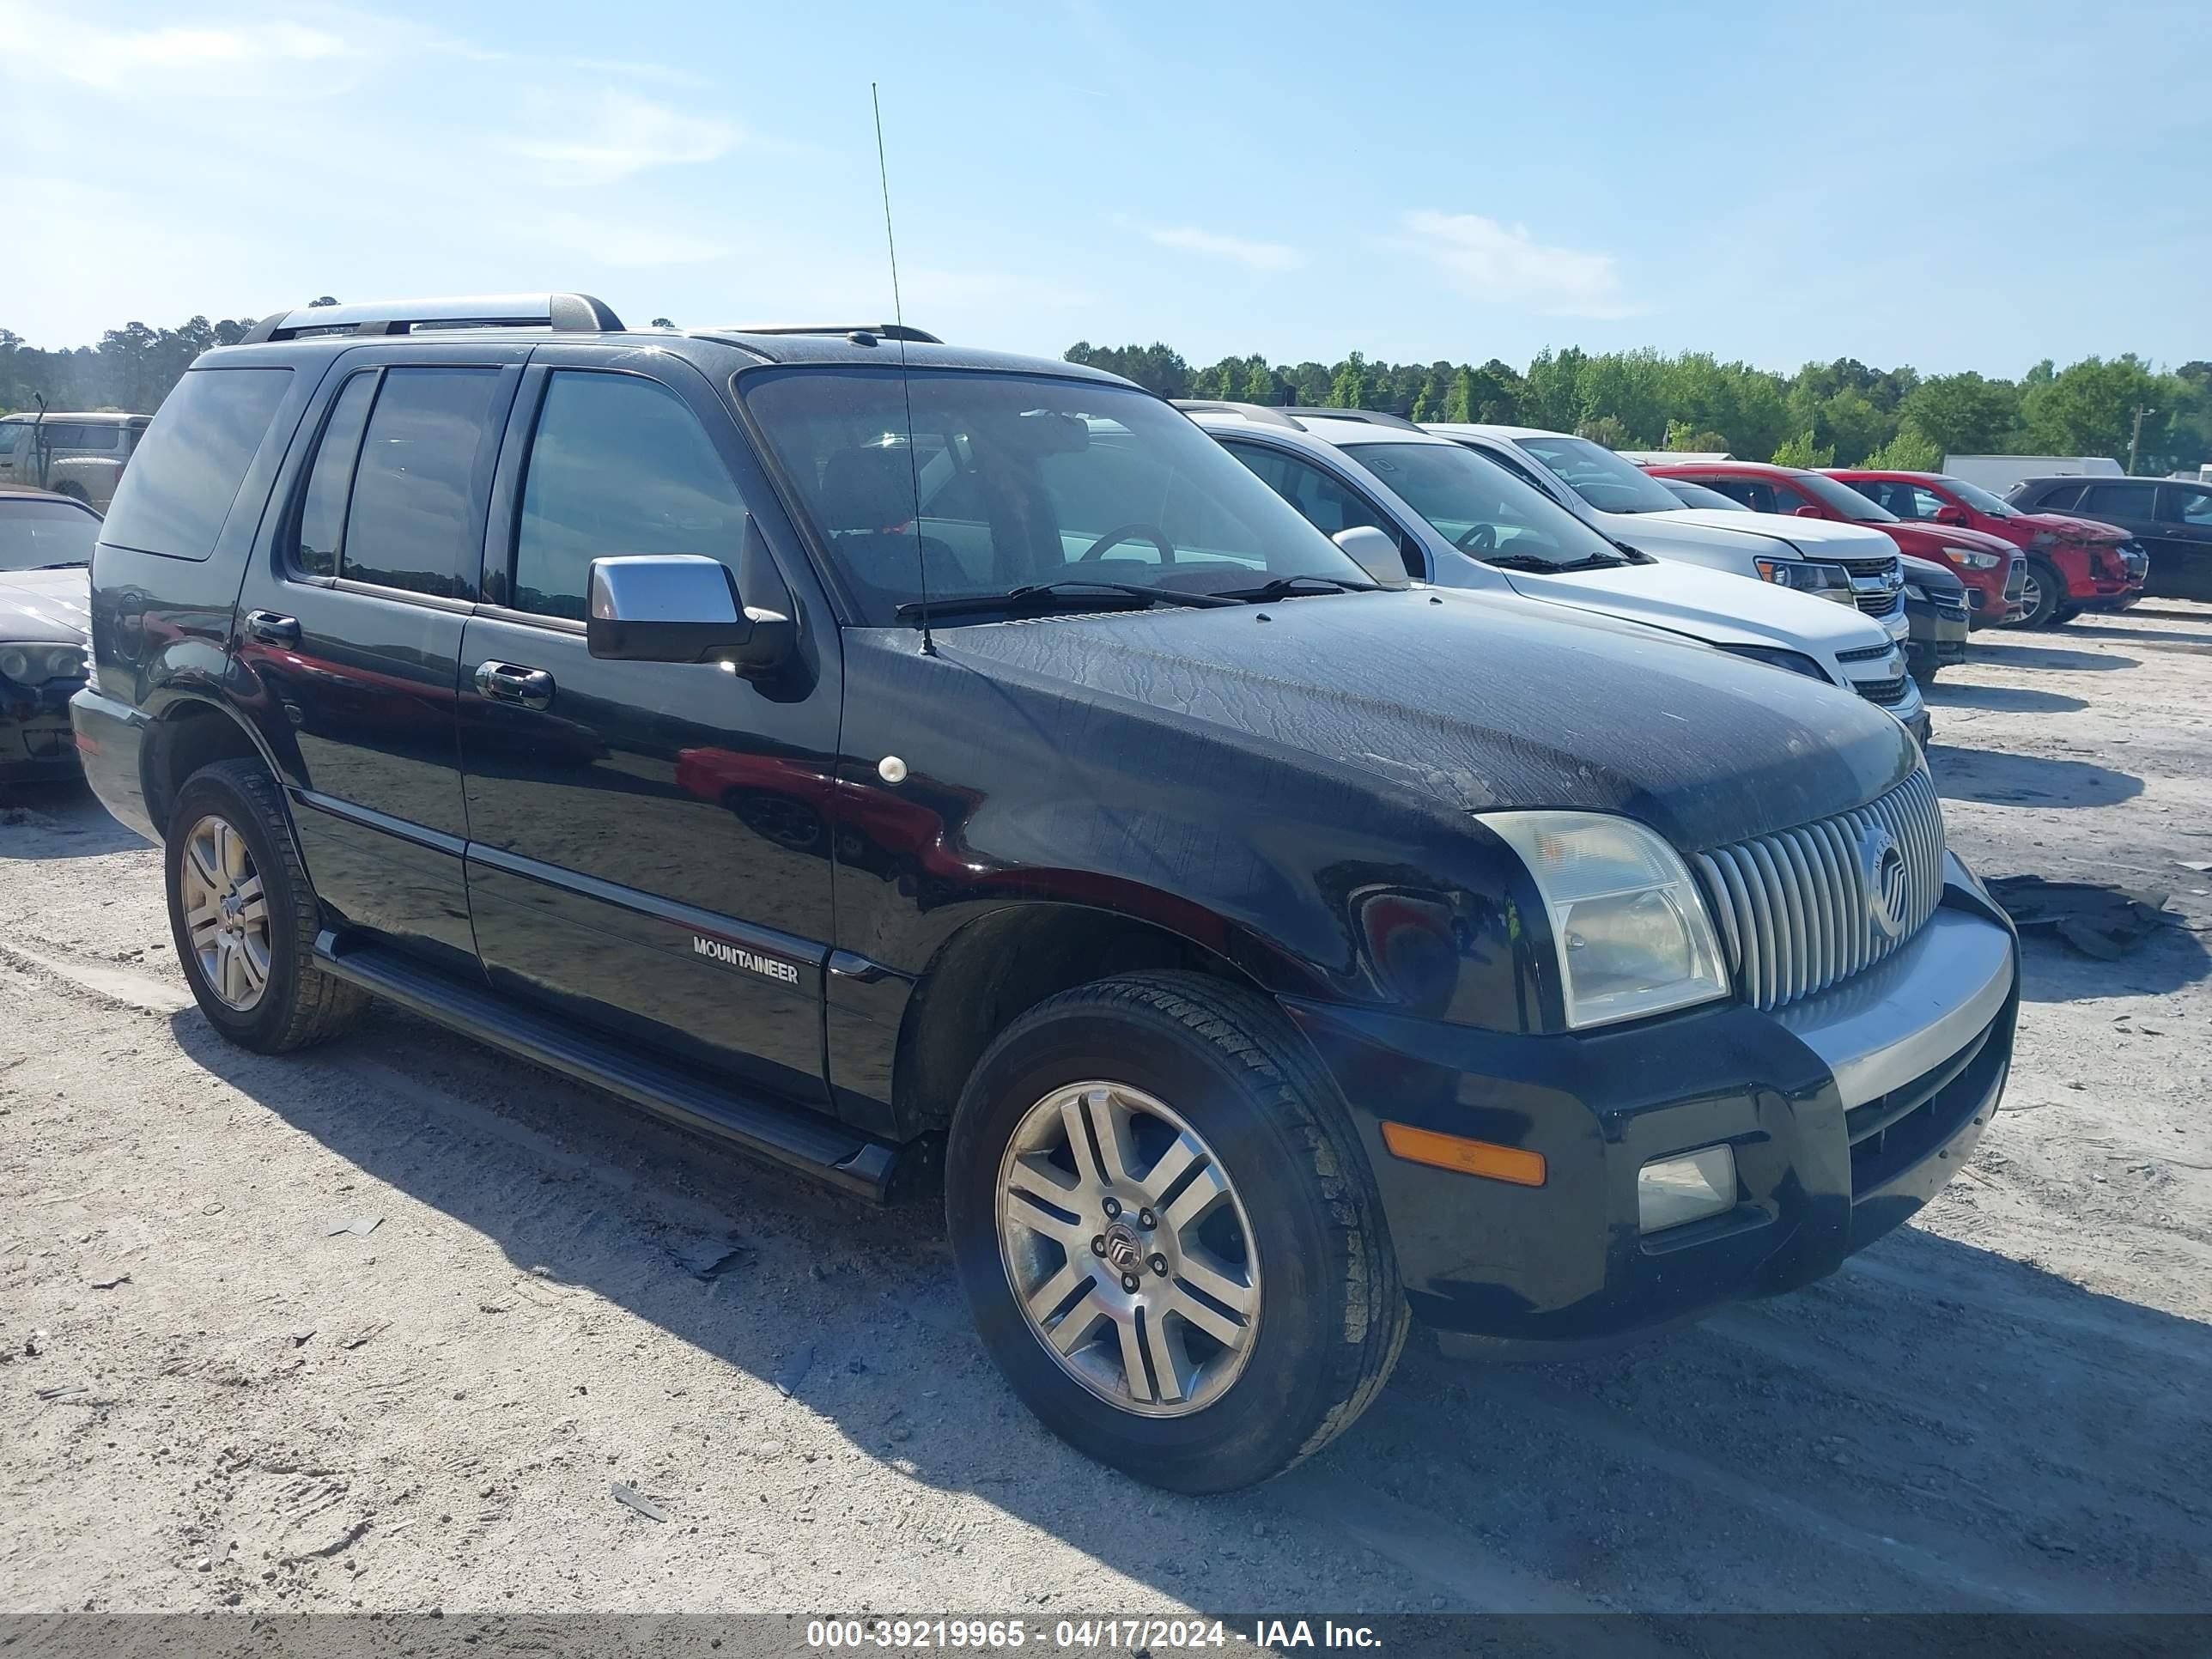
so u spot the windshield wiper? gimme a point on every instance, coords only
(1076, 590)
(1283, 587)
(1551, 568)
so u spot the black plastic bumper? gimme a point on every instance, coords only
(111, 739)
(1830, 1152)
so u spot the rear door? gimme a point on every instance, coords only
(649, 841)
(2181, 557)
(348, 650)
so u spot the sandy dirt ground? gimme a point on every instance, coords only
(214, 1394)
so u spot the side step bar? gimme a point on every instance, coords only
(787, 1135)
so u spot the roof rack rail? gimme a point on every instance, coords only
(564, 313)
(881, 330)
(1260, 412)
(1372, 416)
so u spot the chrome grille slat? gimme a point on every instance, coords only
(1793, 906)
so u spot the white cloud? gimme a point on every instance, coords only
(623, 134)
(1505, 264)
(1255, 256)
(212, 61)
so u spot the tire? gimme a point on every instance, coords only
(293, 1004)
(2046, 593)
(1327, 1313)
(2064, 614)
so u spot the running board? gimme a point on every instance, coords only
(787, 1135)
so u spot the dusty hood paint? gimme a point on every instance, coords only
(1812, 536)
(1711, 604)
(1499, 702)
(45, 607)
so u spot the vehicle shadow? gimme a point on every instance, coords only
(2014, 699)
(1876, 1419)
(2005, 653)
(2170, 958)
(2001, 780)
(59, 821)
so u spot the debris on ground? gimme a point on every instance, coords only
(638, 1501)
(108, 1279)
(2104, 922)
(709, 1261)
(361, 1226)
(795, 1368)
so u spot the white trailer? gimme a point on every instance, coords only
(1998, 473)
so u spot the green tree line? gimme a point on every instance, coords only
(1837, 414)
(131, 369)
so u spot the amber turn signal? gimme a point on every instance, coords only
(1479, 1157)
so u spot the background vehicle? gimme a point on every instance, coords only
(1458, 519)
(45, 544)
(2073, 564)
(1985, 564)
(81, 456)
(2172, 521)
(1831, 560)
(1270, 910)
(1998, 473)
(1936, 601)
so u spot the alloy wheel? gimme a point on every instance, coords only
(226, 913)
(1127, 1248)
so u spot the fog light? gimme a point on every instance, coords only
(1671, 1191)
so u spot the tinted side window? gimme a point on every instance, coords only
(416, 519)
(2180, 504)
(330, 480)
(9, 434)
(1754, 494)
(177, 491)
(2125, 501)
(1327, 505)
(2061, 498)
(618, 465)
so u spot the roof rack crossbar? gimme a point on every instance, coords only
(1372, 416)
(1261, 412)
(881, 330)
(564, 313)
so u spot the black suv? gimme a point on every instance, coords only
(877, 753)
(2171, 517)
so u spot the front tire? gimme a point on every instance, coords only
(1167, 1233)
(244, 916)
(2045, 594)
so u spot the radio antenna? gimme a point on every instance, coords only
(906, 388)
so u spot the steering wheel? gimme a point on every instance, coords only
(1113, 539)
(1480, 539)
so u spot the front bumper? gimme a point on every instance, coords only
(35, 740)
(110, 738)
(1846, 1112)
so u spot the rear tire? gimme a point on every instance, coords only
(1288, 1229)
(244, 916)
(2045, 594)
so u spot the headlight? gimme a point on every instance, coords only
(34, 665)
(1826, 582)
(1972, 558)
(1775, 657)
(1630, 926)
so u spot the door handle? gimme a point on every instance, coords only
(510, 682)
(271, 628)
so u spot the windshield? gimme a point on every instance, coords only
(1846, 501)
(1478, 506)
(35, 535)
(1599, 476)
(1011, 480)
(1979, 498)
(1696, 495)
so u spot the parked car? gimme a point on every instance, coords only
(2073, 564)
(81, 456)
(1935, 598)
(1829, 560)
(2171, 520)
(1987, 564)
(46, 545)
(1297, 956)
(1453, 517)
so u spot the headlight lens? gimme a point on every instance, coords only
(1631, 928)
(1775, 657)
(34, 665)
(1826, 582)
(1972, 558)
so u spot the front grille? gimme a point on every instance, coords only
(1881, 604)
(1796, 908)
(1881, 567)
(1884, 692)
(1865, 654)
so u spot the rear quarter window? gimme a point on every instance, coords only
(179, 488)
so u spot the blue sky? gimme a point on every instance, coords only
(1961, 187)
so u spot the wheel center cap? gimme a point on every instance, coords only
(1123, 1249)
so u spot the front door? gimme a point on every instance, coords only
(2181, 549)
(649, 850)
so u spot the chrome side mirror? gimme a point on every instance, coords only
(680, 607)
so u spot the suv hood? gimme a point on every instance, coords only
(1811, 537)
(2067, 528)
(1709, 605)
(46, 606)
(1924, 538)
(1480, 704)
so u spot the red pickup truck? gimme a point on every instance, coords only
(2073, 564)
(1989, 565)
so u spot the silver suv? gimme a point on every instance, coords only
(78, 455)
